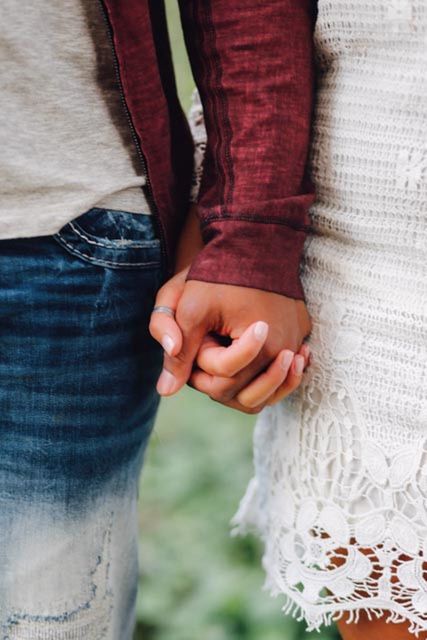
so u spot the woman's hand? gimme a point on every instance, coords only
(280, 379)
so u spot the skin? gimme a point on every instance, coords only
(265, 358)
(262, 364)
(374, 629)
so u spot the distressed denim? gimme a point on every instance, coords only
(77, 402)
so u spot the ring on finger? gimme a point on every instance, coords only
(168, 311)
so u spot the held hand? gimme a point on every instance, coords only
(279, 380)
(255, 369)
(228, 374)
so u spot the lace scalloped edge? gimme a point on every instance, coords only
(246, 520)
(326, 618)
(298, 612)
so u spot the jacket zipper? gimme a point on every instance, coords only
(141, 156)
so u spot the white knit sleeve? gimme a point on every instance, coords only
(197, 126)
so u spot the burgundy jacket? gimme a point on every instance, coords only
(253, 64)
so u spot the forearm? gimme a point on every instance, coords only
(190, 242)
(254, 67)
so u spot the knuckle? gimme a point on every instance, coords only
(249, 407)
(153, 327)
(195, 384)
(189, 313)
(161, 292)
(221, 397)
(178, 365)
(213, 398)
(245, 401)
(223, 392)
(179, 362)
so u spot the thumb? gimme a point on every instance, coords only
(163, 327)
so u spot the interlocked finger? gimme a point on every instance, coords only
(261, 389)
(223, 361)
(294, 378)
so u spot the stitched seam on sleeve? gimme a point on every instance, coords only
(260, 220)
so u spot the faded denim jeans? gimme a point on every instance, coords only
(77, 399)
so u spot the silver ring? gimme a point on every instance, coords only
(166, 310)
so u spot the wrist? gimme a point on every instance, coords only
(249, 254)
(190, 242)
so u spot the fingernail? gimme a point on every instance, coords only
(299, 365)
(166, 382)
(286, 361)
(168, 344)
(260, 330)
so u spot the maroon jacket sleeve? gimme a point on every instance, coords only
(253, 65)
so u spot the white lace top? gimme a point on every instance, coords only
(340, 489)
(198, 131)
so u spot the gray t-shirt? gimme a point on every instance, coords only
(65, 142)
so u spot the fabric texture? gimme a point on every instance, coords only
(198, 131)
(65, 141)
(258, 113)
(78, 401)
(339, 493)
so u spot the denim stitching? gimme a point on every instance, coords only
(106, 263)
(132, 244)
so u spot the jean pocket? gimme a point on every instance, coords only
(112, 238)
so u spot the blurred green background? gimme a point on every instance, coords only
(196, 582)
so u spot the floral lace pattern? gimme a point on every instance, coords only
(339, 495)
(343, 520)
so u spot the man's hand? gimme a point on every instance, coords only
(264, 331)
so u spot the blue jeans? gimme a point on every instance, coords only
(77, 404)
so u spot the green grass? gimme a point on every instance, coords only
(196, 582)
(183, 72)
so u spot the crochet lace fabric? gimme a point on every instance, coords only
(197, 127)
(340, 488)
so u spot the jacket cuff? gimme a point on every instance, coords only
(260, 255)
